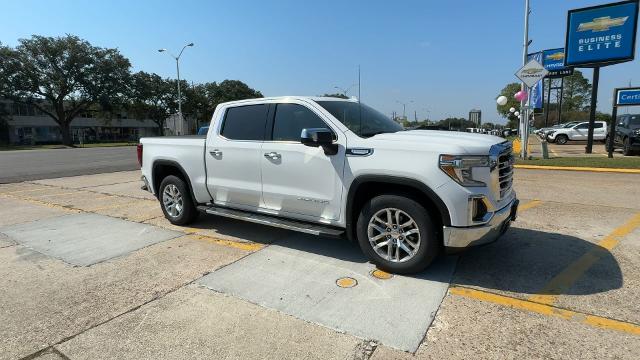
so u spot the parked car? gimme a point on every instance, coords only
(544, 132)
(578, 132)
(627, 134)
(328, 166)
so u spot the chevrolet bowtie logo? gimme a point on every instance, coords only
(531, 71)
(556, 56)
(602, 23)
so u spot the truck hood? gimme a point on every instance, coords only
(441, 141)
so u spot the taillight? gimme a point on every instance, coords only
(140, 154)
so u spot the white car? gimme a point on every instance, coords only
(578, 132)
(328, 166)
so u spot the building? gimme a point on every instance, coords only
(475, 116)
(26, 125)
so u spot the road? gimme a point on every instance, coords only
(23, 165)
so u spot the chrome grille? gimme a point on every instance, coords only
(505, 172)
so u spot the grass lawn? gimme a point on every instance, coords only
(59, 146)
(627, 162)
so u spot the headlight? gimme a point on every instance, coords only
(460, 168)
(637, 131)
(551, 132)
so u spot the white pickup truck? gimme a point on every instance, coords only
(328, 166)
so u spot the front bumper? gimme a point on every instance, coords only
(458, 238)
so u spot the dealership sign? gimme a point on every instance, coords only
(628, 97)
(553, 60)
(536, 91)
(601, 35)
(531, 73)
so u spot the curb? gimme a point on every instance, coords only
(577, 168)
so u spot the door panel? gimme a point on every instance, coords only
(298, 179)
(233, 155)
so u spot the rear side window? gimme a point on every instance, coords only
(245, 122)
(290, 119)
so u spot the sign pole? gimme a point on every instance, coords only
(592, 111)
(523, 109)
(560, 101)
(612, 128)
(548, 106)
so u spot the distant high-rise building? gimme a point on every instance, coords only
(475, 116)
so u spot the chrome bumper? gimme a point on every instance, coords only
(458, 238)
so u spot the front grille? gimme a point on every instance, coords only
(505, 173)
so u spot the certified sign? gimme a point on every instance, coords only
(601, 35)
(531, 73)
(628, 97)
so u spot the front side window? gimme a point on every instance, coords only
(245, 122)
(290, 119)
(597, 126)
(363, 120)
(582, 126)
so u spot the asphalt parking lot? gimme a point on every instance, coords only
(90, 269)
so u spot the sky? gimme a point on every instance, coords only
(442, 58)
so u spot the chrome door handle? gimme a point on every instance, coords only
(272, 155)
(215, 152)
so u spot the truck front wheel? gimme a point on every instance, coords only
(176, 202)
(397, 234)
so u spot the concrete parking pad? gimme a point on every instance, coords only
(467, 328)
(86, 239)
(195, 323)
(5, 241)
(14, 211)
(45, 301)
(298, 276)
(129, 189)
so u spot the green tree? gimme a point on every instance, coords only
(509, 90)
(202, 99)
(62, 77)
(152, 97)
(576, 95)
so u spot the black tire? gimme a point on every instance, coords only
(626, 148)
(427, 247)
(562, 139)
(188, 212)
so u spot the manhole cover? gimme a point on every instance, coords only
(346, 282)
(382, 275)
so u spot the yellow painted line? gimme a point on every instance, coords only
(563, 281)
(578, 168)
(25, 191)
(529, 205)
(112, 206)
(247, 246)
(525, 305)
(61, 194)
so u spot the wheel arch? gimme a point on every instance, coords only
(163, 168)
(367, 186)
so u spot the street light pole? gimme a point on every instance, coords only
(404, 107)
(524, 121)
(177, 59)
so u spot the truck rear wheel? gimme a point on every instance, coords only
(397, 234)
(176, 201)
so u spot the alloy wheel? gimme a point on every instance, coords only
(172, 200)
(393, 235)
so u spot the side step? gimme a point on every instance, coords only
(300, 226)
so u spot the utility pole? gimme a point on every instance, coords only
(524, 111)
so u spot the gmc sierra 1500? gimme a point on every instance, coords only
(328, 166)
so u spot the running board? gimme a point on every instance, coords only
(308, 228)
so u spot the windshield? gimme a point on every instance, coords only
(360, 118)
(634, 121)
(570, 124)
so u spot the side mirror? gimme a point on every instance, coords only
(316, 137)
